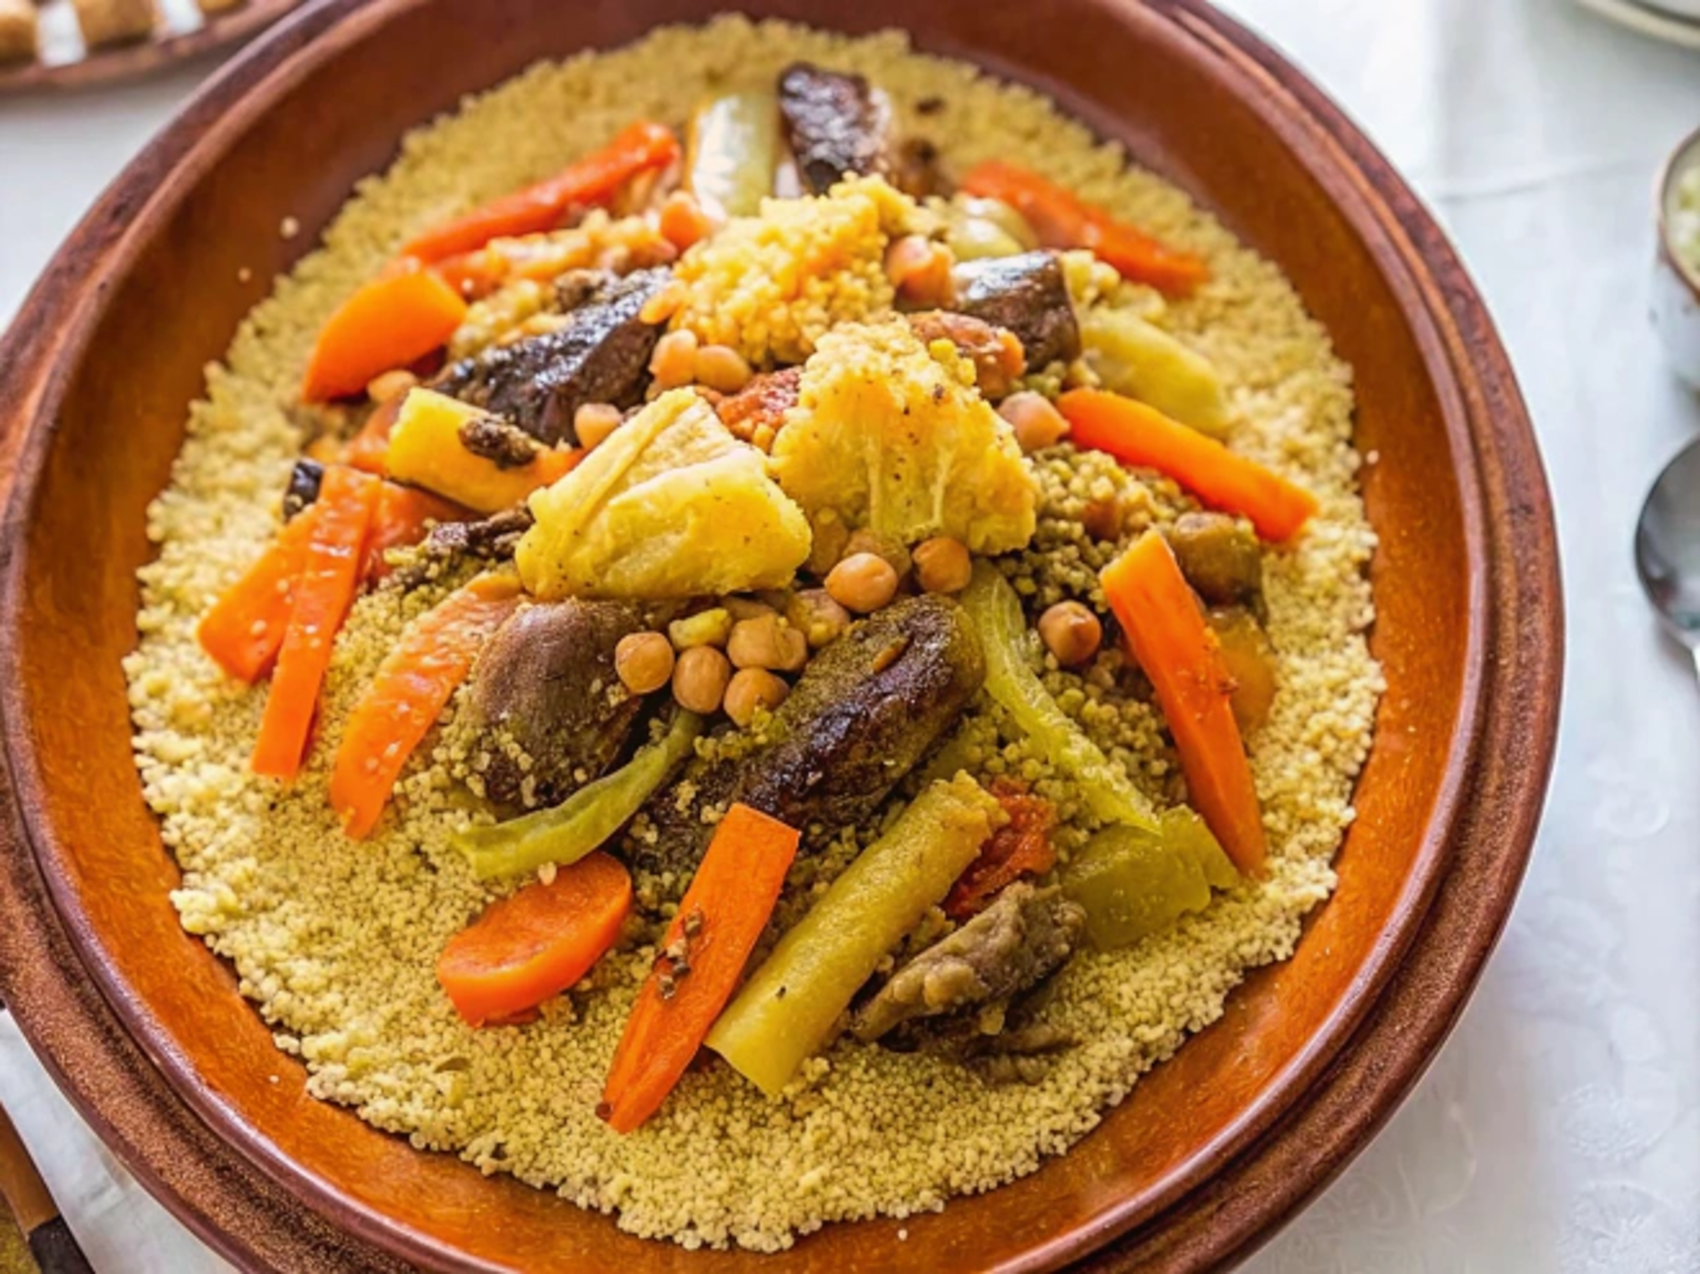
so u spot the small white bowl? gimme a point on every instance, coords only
(1676, 284)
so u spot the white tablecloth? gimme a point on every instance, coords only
(1560, 1128)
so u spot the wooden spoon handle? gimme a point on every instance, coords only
(50, 1240)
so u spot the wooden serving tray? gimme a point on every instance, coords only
(182, 32)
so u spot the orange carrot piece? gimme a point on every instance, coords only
(1167, 635)
(404, 516)
(597, 178)
(1139, 435)
(1062, 220)
(413, 683)
(323, 593)
(389, 323)
(245, 627)
(722, 915)
(1021, 847)
(367, 449)
(535, 943)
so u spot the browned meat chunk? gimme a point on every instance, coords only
(1220, 558)
(998, 357)
(491, 540)
(545, 713)
(1026, 294)
(764, 401)
(835, 124)
(1022, 938)
(600, 355)
(868, 706)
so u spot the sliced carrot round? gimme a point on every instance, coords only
(538, 942)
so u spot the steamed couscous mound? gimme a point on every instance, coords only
(337, 942)
(772, 285)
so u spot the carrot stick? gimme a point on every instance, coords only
(1062, 220)
(1167, 635)
(404, 516)
(638, 148)
(245, 627)
(367, 449)
(1139, 435)
(389, 323)
(413, 683)
(323, 592)
(536, 943)
(721, 917)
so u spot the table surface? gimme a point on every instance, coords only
(1559, 1130)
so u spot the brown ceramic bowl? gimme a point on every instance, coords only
(144, 1028)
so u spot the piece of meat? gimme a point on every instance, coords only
(1027, 294)
(999, 360)
(1022, 938)
(835, 124)
(545, 712)
(599, 355)
(491, 539)
(1220, 558)
(764, 401)
(865, 710)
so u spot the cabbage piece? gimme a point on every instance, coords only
(890, 434)
(669, 505)
(1141, 360)
(996, 611)
(584, 821)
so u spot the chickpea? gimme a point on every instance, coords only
(1037, 423)
(862, 582)
(819, 618)
(593, 422)
(920, 271)
(767, 642)
(700, 675)
(643, 661)
(721, 367)
(674, 361)
(1102, 519)
(1071, 632)
(751, 689)
(390, 384)
(942, 564)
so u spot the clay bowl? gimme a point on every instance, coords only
(144, 1028)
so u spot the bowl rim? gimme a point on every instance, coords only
(1470, 372)
(1683, 156)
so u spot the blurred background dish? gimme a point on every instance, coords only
(67, 44)
(1673, 21)
(1676, 262)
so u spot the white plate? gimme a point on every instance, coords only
(1660, 24)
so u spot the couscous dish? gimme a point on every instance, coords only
(763, 628)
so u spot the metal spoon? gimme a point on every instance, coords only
(1667, 548)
